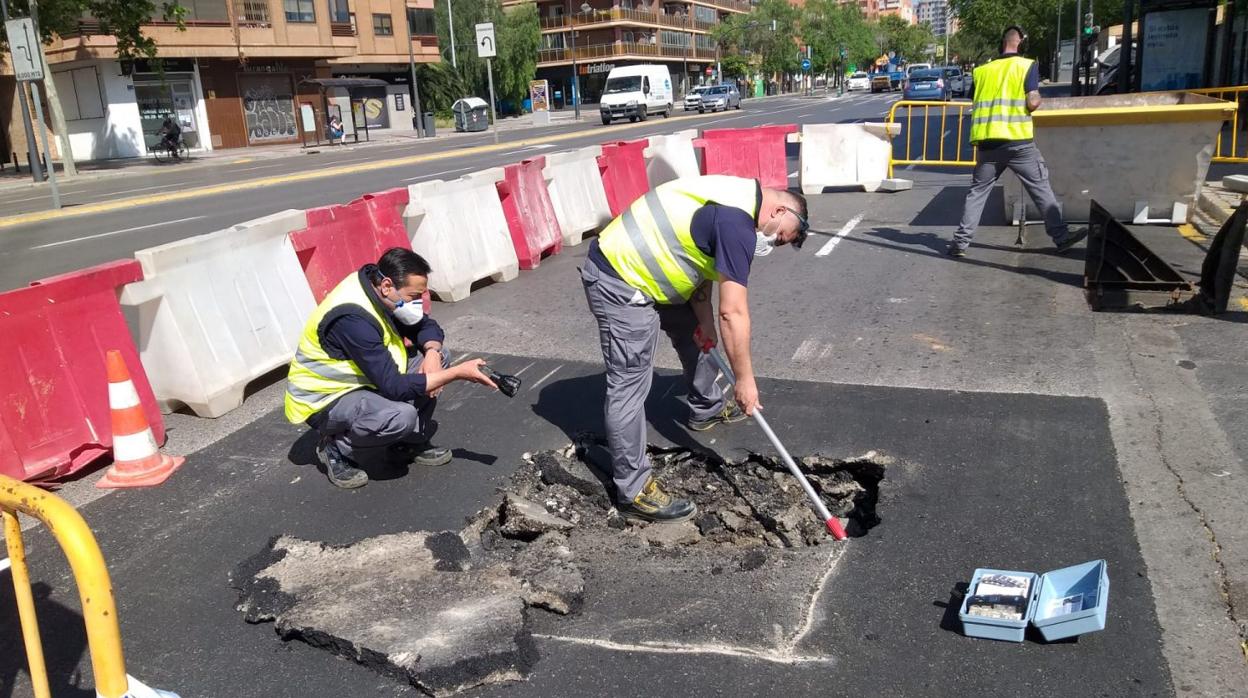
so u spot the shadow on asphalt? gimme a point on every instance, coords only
(935, 246)
(64, 645)
(948, 202)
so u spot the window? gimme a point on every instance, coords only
(255, 11)
(338, 11)
(705, 14)
(382, 26)
(80, 93)
(299, 11)
(205, 10)
(420, 22)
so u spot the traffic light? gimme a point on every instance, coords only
(1090, 30)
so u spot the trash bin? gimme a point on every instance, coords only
(471, 114)
(431, 129)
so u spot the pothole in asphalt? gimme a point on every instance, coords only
(446, 611)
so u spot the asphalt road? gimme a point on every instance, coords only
(1030, 432)
(44, 248)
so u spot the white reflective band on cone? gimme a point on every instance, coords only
(137, 689)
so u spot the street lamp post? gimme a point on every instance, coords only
(576, 76)
(684, 78)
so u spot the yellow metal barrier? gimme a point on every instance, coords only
(950, 156)
(90, 574)
(1228, 148)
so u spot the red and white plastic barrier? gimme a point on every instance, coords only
(622, 167)
(577, 194)
(459, 227)
(529, 212)
(844, 155)
(757, 152)
(54, 415)
(671, 156)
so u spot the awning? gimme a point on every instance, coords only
(346, 83)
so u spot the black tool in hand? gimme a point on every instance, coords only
(508, 385)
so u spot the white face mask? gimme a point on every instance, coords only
(764, 242)
(408, 312)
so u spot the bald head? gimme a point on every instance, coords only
(1011, 40)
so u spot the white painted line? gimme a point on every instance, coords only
(543, 378)
(655, 647)
(794, 173)
(5, 564)
(115, 232)
(836, 239)
(435, 174)
(806, 350)
(521, 371)
(260, 167)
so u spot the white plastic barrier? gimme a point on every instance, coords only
(460, 228)
(671, 157)
(844, 155)
(576, 191)
(217, 311)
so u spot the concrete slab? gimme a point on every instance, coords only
(1014, 480)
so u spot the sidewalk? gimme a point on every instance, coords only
(95, 169)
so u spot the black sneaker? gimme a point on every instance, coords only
(338, 468)
(654, 505)
(1072, 238)
(420, 454)
(731, 413)
(955, 251)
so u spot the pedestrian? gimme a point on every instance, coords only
(653, 268)
(335, 128)
(352, 379)
(1007, 91)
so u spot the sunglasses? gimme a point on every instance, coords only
(802, 229)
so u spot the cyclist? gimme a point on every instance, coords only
(171, 135)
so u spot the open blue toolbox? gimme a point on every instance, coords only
(1061, 604)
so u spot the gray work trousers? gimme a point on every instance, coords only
(362, 423)
(628, 332)
(1023, 159)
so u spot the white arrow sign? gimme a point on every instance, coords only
(25, 49)
(485, 40)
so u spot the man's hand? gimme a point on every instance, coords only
(704, 336)
(431, 364)
(471, 371)
(746, 395)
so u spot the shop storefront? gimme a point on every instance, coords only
(172, 92)
(257, 103)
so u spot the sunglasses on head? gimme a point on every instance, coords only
(802, 228)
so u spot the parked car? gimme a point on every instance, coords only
(693, 97)
(927, 85)
(858, 81)
(880, 82)
(955, 80)
(719, 97)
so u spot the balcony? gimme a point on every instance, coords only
(341, 29)
(621, 16)
(621, 49)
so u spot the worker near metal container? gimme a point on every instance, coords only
(353, 381)
(1007, 91)
(653, 268)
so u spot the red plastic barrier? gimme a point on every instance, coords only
(747, 152)
(623, 169)
(54, 414)
(530, 214)
(342, 238)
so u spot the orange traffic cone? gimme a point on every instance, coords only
(137, 460)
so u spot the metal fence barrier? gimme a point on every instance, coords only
(1230, 146)
(91, 576)
(948, 153)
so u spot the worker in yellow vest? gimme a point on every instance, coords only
(653, 268)
(352, 379)
(1007, 91)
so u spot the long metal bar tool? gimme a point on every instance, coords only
(834, 526)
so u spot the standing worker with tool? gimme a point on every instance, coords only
(652, 268)
(351, 378)
(1007, 91)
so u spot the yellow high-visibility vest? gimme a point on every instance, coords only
(1000, 111)
(316, 379)
(650, 245)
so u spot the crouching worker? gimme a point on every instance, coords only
(354, 381)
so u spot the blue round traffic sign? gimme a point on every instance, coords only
(805, 64)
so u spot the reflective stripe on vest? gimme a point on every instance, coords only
(1000, 111)
(650, 244)
(316, 379)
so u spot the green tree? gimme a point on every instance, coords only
(981, 22)
(122, 19)
(764, 39)
(828, 26)
(908, 41)
(519, 40)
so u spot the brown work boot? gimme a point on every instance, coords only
(653, 505)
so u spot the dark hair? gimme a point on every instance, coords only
(800, 202)
(398, 263)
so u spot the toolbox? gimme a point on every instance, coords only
(1063, 603)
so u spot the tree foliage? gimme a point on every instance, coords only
(766, 37)
(123, 19)
(519, 40)
(981, 22)
(829, 26)
(907, 41)
(518, 34)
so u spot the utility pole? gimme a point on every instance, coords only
(450, 22)
(1076, 52)
(1057, 62)
(419, 119)
(54, 105)
(32, 149)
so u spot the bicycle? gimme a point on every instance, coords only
(166, 151)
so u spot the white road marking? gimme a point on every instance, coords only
(115, 232)
(806, 350)
(682, 648)
(836, 239)
(521, 371)
(5, 564)
(541, 380)
(435, 174)
(794, 173)
(261, 167)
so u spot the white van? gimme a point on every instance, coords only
(636, 92)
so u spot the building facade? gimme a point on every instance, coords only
(900, 8)
(938, 15)
(236, 76)
(594, 36)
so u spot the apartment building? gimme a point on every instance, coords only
(235, 77)
(594, 36)
(937, 14)
(900, 8)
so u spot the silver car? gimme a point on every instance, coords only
(693, 99)
(719, 97)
